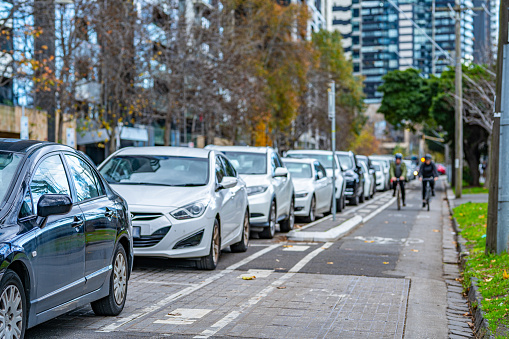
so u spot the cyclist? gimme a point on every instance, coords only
(428, 170)
(398, 171)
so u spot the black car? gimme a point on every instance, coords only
(354, 177)
(65, 236)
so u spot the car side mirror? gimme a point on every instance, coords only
(281, 172)
(53, 204)
(227, 182)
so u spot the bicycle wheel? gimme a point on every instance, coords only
(398, 198)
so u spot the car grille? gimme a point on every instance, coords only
(145, 216)
(151, 240)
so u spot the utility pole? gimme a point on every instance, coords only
(492, 229)
(458, 127)
(332, 117)
(458, 114)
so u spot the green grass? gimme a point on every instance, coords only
(488, 269)
(473, 190)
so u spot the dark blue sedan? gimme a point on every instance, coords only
(65, 236)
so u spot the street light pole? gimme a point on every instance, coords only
(332, 117)
(458, 163)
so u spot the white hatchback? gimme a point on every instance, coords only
(313, 188)
(185, 202)
(269, 187)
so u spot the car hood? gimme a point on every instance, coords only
(303, 184)
(255, 180)
(160, 196)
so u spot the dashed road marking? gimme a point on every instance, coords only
(257, 273)
(183, 316)
(296, 248)
(219, 325)
(185, 292)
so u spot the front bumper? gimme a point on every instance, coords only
(302, 205)
(179, 231)
(259, 209)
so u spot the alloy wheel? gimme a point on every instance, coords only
(11, 313)
(215, 244)
(119, 278)
(246, 229)
(273, 219)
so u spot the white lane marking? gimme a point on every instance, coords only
(372, 215)
(389, 241)
(295, 248)
(184, 316)
(257, 273)
(185, 292)
(219, 325)
(355, 209)
(311, 224)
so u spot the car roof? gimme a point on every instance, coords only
(300, 160)
(344, 152)
(309, 151)
(21, 146)
(361, 157)
(165, 150)
(246, 149)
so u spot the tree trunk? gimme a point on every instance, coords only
(167, 131)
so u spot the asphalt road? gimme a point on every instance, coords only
(384, 279)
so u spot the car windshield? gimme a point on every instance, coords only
(8, 169)
(248, 163)
(158, 170)
(299, 170)
(346, 161)
(325, 159)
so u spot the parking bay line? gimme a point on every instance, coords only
(222, 323)
(186, 291)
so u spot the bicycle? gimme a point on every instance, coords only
(398, 193)
(427, 192)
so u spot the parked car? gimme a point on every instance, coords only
(441, 169)
(369, 182)
(325, 158)
(65, 239)
(369, 170)
(379, 175)
(269, 187)
(313, 188)
(354, 177)
(385, 161)
(186, 202)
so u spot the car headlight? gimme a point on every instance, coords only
(415, 173)
(301, 195)
(256, 190)
(190, 211)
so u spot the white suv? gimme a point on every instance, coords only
(269, 187)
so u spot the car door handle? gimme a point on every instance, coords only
(77, 222)
(108, 213)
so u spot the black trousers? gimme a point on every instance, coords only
(402, 185)
(432, 184)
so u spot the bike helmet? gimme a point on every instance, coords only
(398, 156)
(427, 157)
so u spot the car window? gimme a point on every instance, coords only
(8, 171)
(279, 163)
(273, 162)
(319, 169)
(86, 181)
(322, 169)
(220, 171)
(248, 163)
(229, 169)
(346, 161)
(49, 178)
(325, 159)
(299, 170)
(26, 206)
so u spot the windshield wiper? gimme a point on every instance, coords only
(188, 185)
(140, 183)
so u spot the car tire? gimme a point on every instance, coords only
(13, 305)
(270, 231)
(355, 200)
(361, 197)
(114, 302)
(210, 261)
(312, 211)
(289, 223)
(243, 244)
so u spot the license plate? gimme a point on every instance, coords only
(136, 232)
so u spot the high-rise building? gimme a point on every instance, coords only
(338, 17)
(397, 34)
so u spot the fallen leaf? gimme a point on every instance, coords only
(466, 314)
(404, 222)
(470, 324)
(248, 277)
(287, 245)
(488, 279)
(385, 262)
(175, 314)
(330, 263)
(386, 222)
(415, 250)
(505, 275)
(277, 260)
(481, 216)
(369, 241)
(281, 287)
(436, 231)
